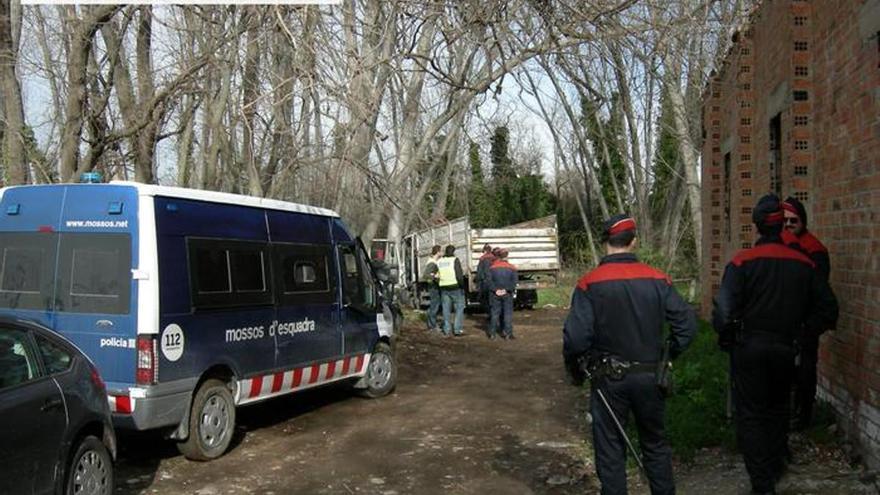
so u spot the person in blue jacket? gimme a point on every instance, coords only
(486, 260)
(502, 283)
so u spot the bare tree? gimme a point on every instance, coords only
(11, 134)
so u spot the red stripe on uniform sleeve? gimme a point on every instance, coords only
(256, 385)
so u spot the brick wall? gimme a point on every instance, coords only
(796, 107)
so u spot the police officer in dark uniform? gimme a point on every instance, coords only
(502, 280)
(797, 236)
(768, 293)
(617, 316)
(482, 279)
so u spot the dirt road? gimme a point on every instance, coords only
(469, 416)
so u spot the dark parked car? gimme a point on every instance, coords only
(55, 430)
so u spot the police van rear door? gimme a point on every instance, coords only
(66, 254)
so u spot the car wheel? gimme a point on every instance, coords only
(381, 377)
(211, 422)
(91, 470)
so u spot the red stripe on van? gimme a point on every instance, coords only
(276, 382)
(331, 368)
(316, 369)
(256, 385)
(345, 364)
(297, 378)
(360, 363)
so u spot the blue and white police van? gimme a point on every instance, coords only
(193, 302)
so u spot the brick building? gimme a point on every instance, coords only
(795, 109)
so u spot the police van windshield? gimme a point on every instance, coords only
(67, 272)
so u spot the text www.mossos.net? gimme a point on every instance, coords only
(119, 224)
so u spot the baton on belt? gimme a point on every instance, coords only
(620, 429)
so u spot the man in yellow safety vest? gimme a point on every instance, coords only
(451, 291)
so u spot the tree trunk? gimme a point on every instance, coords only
(145, 139)
(14, 153)
(640, 186)
(83, 34)
(688, 153)
(250, 87)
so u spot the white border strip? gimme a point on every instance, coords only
(267, 380)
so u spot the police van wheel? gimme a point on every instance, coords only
(211, 422)
(381, 377)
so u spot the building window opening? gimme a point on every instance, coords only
(727, 219)
(775, 161)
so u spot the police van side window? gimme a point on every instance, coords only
(94, 273)
(228, 274)
(248, 269)
(304, 274)
(27, 270)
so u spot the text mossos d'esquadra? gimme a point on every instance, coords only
(276, 328)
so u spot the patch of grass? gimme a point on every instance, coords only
(412, 315)
(558, 296)
(696, 413)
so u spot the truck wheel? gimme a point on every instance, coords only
(90, 470)
(381, 377)
(211, 422)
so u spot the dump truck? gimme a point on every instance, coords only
(533, 248)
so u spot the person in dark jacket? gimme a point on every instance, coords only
(617, 315)
(451, 283)
(482, 280)
(797, 236)
(768, 294)
(430, 276)
(502, 284)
